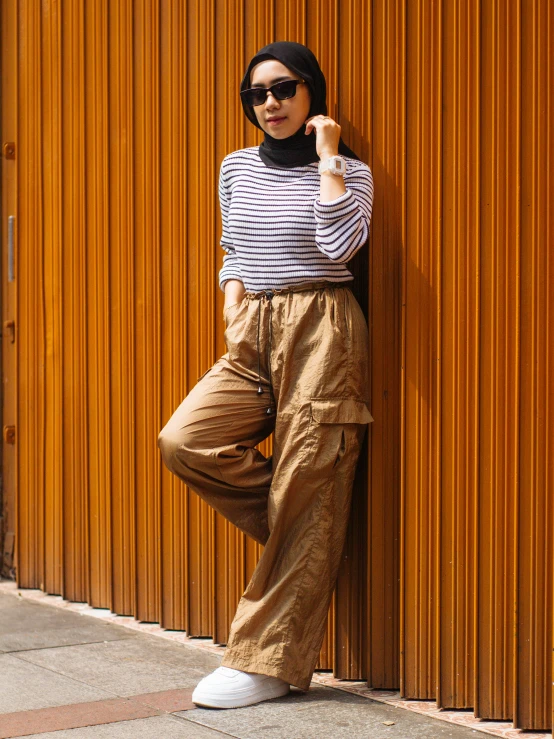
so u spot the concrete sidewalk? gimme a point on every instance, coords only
(69, 675)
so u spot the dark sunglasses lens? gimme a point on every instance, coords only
(284, 90)
(281, 91)
(254, 96)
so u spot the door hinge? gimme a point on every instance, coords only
(8, 150)
(9, 327)
(9, 434)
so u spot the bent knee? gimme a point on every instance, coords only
(168, 445)
(176, 448)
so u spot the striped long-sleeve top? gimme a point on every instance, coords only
(276, 233)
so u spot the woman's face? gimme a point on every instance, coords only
(279, 118)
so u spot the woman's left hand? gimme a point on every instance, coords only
(327, 133)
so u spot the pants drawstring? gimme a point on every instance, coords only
(268, 294)
(260, 390)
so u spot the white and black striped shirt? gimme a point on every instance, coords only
(276, 233)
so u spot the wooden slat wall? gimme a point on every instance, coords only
(125, 111)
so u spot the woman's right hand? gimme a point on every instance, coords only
(234, 293)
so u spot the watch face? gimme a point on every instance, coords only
(335, 165)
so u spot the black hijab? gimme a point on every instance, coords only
(298, 149)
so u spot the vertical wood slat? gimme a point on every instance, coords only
(9, 85)
(386, 309)
(57, 577)
(419, 584)
(498, 382)
(535, 546)
(201, 200)
(173, 276)
(30, 539)
(460, 352)
(147, 313)
(98, 305)
(122, 297)
(73, 498)
(117, 269)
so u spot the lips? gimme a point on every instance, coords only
(275, 120)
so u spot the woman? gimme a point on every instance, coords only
(294, 211)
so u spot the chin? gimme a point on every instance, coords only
(284, 134)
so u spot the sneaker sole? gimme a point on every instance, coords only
(207, 701)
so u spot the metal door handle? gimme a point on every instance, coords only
(11, 229)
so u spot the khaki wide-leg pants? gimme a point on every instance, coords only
(307, 350)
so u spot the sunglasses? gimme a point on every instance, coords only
(280, 91)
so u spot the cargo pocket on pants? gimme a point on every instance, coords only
(234, 329)
(333, 424)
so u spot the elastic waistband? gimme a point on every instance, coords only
(305, 287)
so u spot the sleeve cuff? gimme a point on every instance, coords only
(229, 272)
(335, 209)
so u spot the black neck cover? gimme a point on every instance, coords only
(298, 149)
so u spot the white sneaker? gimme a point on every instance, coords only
(228, 688)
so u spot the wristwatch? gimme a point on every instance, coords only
(335, 165)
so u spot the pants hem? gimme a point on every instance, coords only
(259, 666)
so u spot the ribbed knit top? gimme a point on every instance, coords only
(276, 232)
